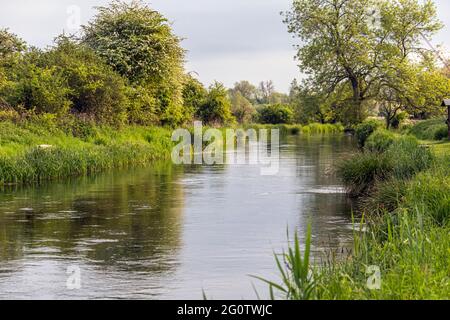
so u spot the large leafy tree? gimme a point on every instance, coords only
(139, 44)
(344, 43)
(217, 106)
(242, 109)
(194, 95)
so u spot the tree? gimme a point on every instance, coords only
(194, 95)
(275, 114)
(246, 89)
(343, 44)
(414, 88)
(217, 106)
(43, 89)
(138, 43)
(241, 108)
(265, 91)
(95, 89)
(10, 44)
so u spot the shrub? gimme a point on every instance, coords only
(441, 133)
(365, 129)
(430, 129)
(217, 107)
(95, 89)
(380, 141)
(276, 114)
(43, 89)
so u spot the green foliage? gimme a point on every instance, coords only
(430, 192)
(95, 89)
(360, 172)
(138, 43)
(365, 129)
(430, 129)
(409, 157)
(441, 133)
(38, 150)
(297, 281)
(380, 141)
(10, 45)
(346, 55)
(194, 95)
(41, 88)
(241, 108)
(402, 160)
(217, 106)
(275, 114)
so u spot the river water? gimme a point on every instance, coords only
(171, 232)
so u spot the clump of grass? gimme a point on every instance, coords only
(360, 172)
(409, 157)
(380, 141)
(297, 281)
(430, 192)
(403, 159)
(410, 251)
(430, 129)
(319, 128)
(365, 129)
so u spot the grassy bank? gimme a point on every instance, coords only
(296, 129)
(403, 185)
(41, 149)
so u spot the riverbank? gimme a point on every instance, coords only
(401, 243)
(44, 148)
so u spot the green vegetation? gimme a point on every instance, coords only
(275, 114)
(404, 230)
(361, 64)
(433, 129)
(40, 148)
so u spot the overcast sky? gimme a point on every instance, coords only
(227, 40)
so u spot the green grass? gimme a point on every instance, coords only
(434, 129)
(23, 160)
(296, 129)
(406, 230)
(411, 250)
(403, 157)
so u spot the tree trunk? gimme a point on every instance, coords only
(357, 102)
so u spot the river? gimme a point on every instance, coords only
(171, 232)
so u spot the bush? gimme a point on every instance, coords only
(43, 89)
(441, 133)
(276, 114)
(380, 141)
(217, 107)
(139, 44)
(365, 129)
(430, 129)
(95, 89)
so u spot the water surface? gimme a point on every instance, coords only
(169, 231)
